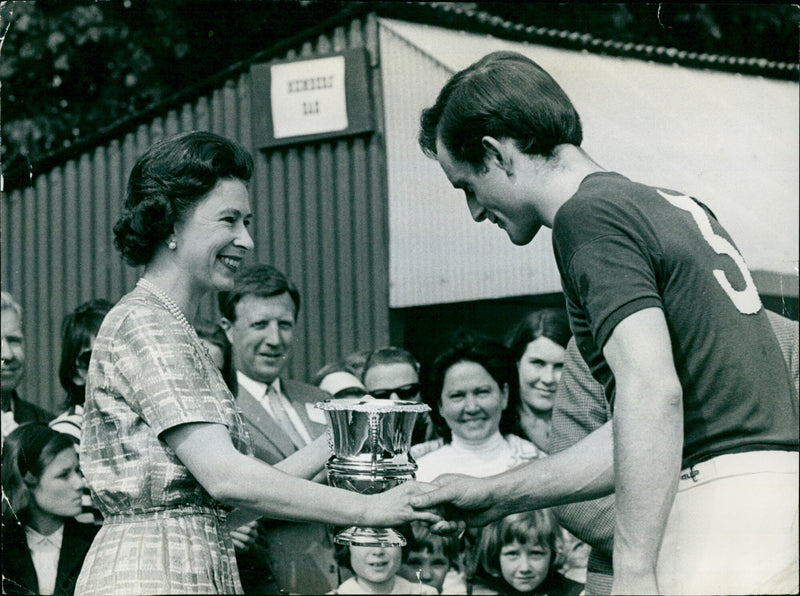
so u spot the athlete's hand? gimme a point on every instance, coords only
(463, 500)
(393, 507)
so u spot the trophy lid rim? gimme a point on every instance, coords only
(370, 404)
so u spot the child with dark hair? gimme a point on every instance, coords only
(433, 559)
(375, 570)
(520, 555)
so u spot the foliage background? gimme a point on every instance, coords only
(68, 69)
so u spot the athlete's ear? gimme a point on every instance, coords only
(497, 153)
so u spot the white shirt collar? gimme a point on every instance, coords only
(45, 552)
(257, 388)
(490, 443)
(36, 540)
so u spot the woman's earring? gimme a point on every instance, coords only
(172, 245)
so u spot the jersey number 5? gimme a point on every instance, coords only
(746, 301)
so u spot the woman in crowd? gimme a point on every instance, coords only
(468, 388)
(78, 330)
(537, 344)
(43, 546)
(163, 445)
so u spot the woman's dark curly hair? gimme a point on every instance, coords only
(166, 183)
(469, 346)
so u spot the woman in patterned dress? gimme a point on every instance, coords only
(163, 446)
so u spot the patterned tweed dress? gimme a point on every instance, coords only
(163, 533)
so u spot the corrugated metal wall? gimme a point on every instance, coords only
(320, 216)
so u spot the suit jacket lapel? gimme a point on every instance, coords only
(262, 426)
(17, 555)
(299, 402)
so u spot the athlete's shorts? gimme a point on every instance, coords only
(733, 528)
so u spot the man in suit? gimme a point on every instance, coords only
(16, 410)
(259, 317)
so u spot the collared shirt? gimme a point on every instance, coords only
(8, 423)
(45, 551)
(259, 390)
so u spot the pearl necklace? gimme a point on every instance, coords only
(173, 308)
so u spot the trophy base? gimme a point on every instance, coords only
(357, 536)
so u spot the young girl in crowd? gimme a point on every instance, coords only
(519, 555)
(375, 571)
(433, 559)
(43, 546)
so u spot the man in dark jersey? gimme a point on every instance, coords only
(702, 454)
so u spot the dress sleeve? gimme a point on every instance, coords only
(170, 382)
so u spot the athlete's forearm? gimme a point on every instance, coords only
(648, 441)
(584, 471)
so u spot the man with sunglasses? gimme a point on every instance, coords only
(393, 373)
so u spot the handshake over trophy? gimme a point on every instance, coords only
(371, 442)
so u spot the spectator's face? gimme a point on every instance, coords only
(262, 335)
(524, 566)
(427, 566)
(13, 350)
(539, 373)
(375, 564)
(472, 403)
(392, 376)
(58, 491)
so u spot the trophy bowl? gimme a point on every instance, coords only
(371, 439)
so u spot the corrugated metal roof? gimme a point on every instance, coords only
(464, 15)
(728, 139)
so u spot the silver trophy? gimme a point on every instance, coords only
(371, 440)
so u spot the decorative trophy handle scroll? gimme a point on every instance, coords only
(371, 442)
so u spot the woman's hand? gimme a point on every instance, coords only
(244, 536)
(393, 508)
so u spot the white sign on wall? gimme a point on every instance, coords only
(308, 97)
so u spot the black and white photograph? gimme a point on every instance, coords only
(399, 297)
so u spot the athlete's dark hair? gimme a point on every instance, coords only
(502, 95)
(166, 183)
